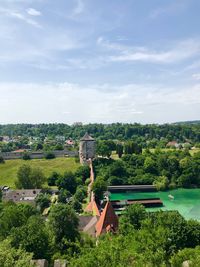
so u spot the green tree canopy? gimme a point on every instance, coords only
(63, 224)
(29, 178)
(11, 257)
(68, 182)
(132, 216)
(32, 237)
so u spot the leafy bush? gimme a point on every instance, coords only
(2, 160)
(49, 155)
(26, 156)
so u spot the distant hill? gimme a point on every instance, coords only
(187, 122)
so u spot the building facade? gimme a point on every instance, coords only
(86, 148)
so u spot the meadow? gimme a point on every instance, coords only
(8, 170)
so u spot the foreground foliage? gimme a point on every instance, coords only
(11, 257)
(144, 239)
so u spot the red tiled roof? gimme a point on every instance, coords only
(92, 207)
(88, 208)
(19, 151)
(107, 221)
(95, 209)
(69, 142)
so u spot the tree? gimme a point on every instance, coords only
(63, 224)
(76, 205)
(192, 256)
(103, 149)
(124, 251)
(29, 178)
(83, 172)
(43, 201)
(32, 237)
(68, 182)
(23, 177)
(133, 216)
(193, 233)
(185, 180)
(49, 155)
(161, 183)
(26, 156)
(131, 147)
(150, 165)
(175, 226)
(128, 148)
(119, 150)
(52, 179)
(27, 210)
(81, 193)
(64, 196)
(118, 169)
(12, 216)
(99, 187)
(114, 180)
(37, 178)
(10, 257)
(59, 147)
(2, 160)
(39, 146)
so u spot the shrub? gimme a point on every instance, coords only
(49, 155)
(2, 160)
(26, 156)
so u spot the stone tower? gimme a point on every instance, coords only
(86, 148)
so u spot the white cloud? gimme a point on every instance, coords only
(178, 52)
(33, 12)
(23, 18)
(196, 76)
(41, 49)
(79, 8)
(66, 102)
(20, 16)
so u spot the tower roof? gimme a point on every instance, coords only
(87, 137)
(107, 221)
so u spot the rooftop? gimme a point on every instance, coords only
(24, 195)
(87, 137)
(108, 220)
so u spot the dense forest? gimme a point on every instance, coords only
(49, 137)
(113, 131)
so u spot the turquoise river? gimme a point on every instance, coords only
(186, 201)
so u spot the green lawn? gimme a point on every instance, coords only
(8, 171)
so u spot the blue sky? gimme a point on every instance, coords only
(99, 61)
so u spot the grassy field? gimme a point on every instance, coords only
(8, 171)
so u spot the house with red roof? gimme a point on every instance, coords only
(108, 221)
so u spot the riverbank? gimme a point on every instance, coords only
(186, 201)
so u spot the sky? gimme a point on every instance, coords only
(99, 61)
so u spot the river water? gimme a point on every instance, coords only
(186, 201)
